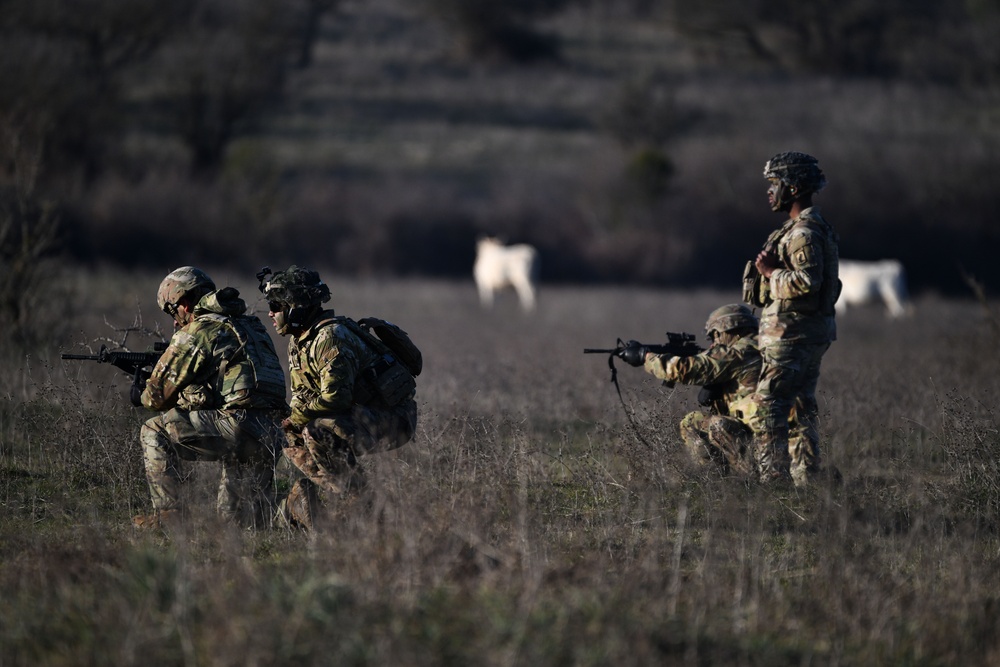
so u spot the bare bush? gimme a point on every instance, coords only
(493, 28)
(63, 69)
(228, 64)
(29, 237)
(839, 38)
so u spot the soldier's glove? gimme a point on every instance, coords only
(706, 397)
(138, 385)
(633, 354)
(288, 427)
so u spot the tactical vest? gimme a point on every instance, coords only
(251, 375)
(820, 302)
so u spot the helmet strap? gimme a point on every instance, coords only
(298, 318)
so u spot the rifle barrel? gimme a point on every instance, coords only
(94, 357)
(590, 350)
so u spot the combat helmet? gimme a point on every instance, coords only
(729, 318)
(296, 287)
(179, 282)
(294, 297)
(797, 173)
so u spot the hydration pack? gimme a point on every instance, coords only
(398, 342)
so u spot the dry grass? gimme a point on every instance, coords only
(528, 523)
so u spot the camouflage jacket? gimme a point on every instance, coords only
(732, 370)
(222, 359)
(325, 363)
(800, 295)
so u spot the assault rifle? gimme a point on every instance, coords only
(677, 345)
(633, 352)
(129, 362)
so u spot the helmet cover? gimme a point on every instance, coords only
(179, 282)
(296, 287)
(798, 171)
(729, 318)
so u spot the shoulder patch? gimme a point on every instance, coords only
(181, 338)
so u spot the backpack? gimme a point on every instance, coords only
(398, 342)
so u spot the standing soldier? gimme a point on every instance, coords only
(220, 392)
(349, 395)
(727, 372)
(795, 280)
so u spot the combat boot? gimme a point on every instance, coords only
(773, 464)
(158, 520)
(776, 478)
(301, 508)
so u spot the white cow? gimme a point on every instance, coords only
(866, 282)
(499, 266)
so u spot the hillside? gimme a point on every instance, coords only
(630, 156)
(392, 123)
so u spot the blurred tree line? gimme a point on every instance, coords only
(80, 76)
(950, 41)
(76, 74)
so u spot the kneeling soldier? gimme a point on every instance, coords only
(349, 395)
(220, 392)
(728, 372)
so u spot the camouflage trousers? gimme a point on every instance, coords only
(785, 415)
(718, 440)
(327, 449)
(245, 442)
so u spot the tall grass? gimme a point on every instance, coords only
(530, 521)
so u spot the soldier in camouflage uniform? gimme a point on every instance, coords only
(795, 280)
(728, 371)
(220, 393)
(347, 400)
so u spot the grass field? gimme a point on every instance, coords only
(535, 519)
(530, 522)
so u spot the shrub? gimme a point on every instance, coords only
(499, 28)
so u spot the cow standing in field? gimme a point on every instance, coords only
(498, 266)
(866, 282)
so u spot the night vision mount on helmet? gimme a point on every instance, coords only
(295, 287)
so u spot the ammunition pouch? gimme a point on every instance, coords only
(386, 379)
(754, 286)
